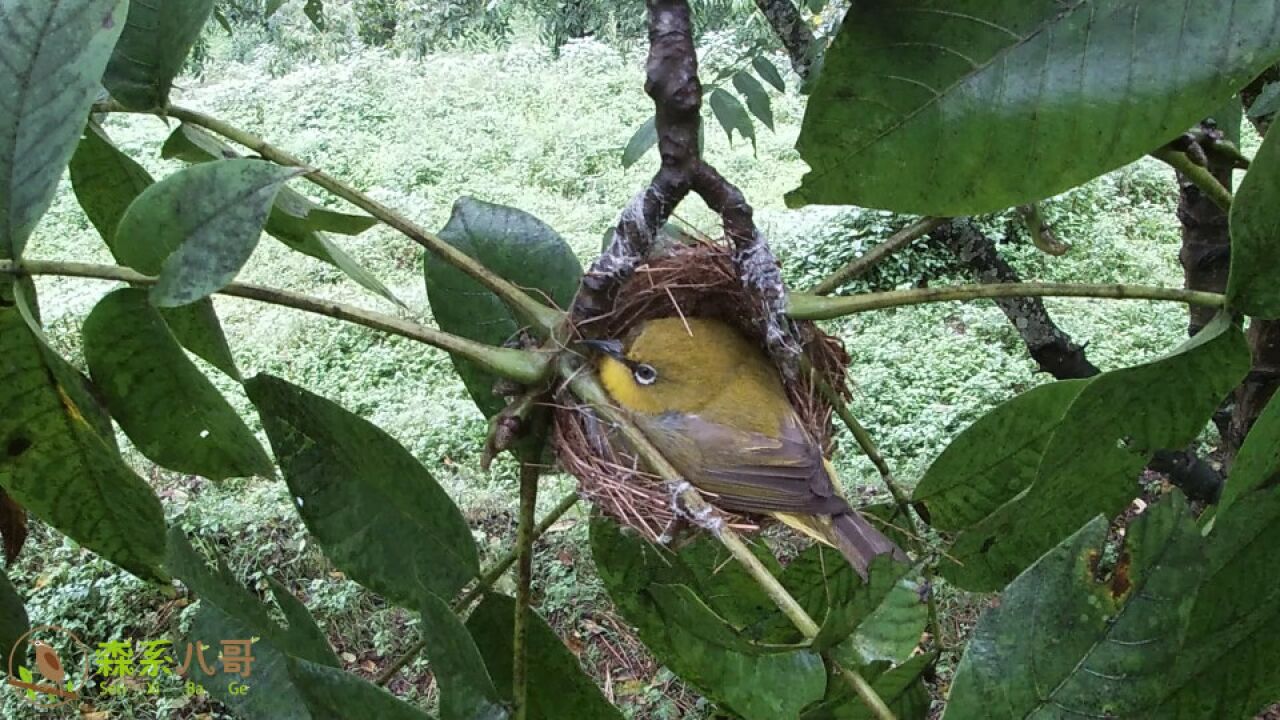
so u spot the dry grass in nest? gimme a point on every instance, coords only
(691, 281)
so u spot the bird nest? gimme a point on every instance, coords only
(698, 280)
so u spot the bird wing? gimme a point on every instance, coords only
(747, 471)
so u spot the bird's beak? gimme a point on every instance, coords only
(612, 348)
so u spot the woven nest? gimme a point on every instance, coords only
(696, 280)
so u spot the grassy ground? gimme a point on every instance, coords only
(517, 127)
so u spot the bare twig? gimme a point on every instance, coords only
(524, 579)
(539, 315)
(518, 365)
(813, 307)
(892, 244)
(1196, 174)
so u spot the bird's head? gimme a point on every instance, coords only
(670, 364)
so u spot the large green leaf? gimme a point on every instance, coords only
(332, 694)
(13, 617)
(515, 245)
(106, 182)
(960, 107)
(1090, 465)
(1062, 644)
(995, 458)
(757, 99)
(53, 53)
(756, 687)
(466, 690)
(557, 686)
(295, 220)
(900, 687)
(168, 408)
(55, 461)
(375, 509)
(1230, 664)
(1254, 284)
(230, 612)
(157, 38)
(196, 228)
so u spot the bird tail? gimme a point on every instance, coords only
(848, 532)
(861, 543)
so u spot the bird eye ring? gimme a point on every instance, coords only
(645, 374)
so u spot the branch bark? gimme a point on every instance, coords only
(795, 35)
(518, 365)
(529, 473)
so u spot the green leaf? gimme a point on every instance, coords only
(53, 53)
(768, 72)
(1267, 102)
(995, 458)
(332, 694)
(1253, 286)
(13, 617)
(363, 495)
(314, 10)
(756, 687)
(644, 138)
(683, 607)
(1104, 440)
(556, 681)
(295, 220)
(106, 182)
(1230, 664)
(731, 115)
(55, 462)
(886, 624)
(302, 636)
(518, 247)
(228, 611)
(466, 691)
(272, 7)
(900, 687)
(1062, 643)
(757, 99)
(171, 412)
(157, 38)
(197, 227)
(973, 106)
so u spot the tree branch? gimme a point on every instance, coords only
(1196, 174)
(814, 307)
(856, 267)
(482, 585)
(802, 48)
(542, 317)
(518, 365)
(529, 473)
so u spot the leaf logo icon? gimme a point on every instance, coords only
(48, 664)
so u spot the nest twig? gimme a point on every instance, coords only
(698, 280)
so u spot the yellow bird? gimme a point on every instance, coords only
(714, 405)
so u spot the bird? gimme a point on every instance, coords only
(714, 405)
(48, 664)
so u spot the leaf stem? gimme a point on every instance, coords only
(519, 365)
(529, 473)
(586, 386)
(892, 244)
(541, 316)
(482, 585)
(813, 307)
(1198, 175)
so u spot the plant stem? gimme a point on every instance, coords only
(895, 242)
(483, 584)
(519, 365)
(813, 307)
(529, 473)
(869, 448)
(541, 316)
(1198, 175)
(586, 386)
